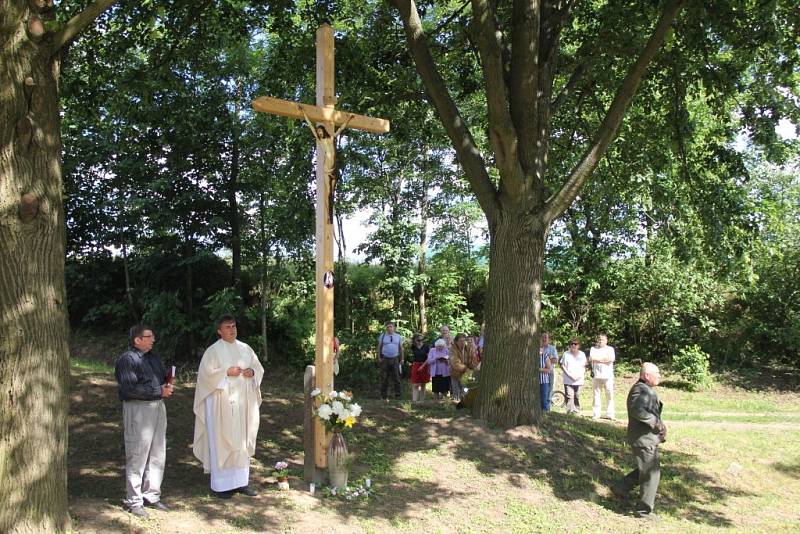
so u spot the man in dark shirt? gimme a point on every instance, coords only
(141, 378)
(646, 432)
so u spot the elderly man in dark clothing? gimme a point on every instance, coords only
(646, 432)
(142, 382)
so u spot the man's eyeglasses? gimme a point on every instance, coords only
(573, 344)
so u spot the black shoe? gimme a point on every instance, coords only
(247, 490)
(158, 505)
(138, 511)
(222, 494)
(647, 516)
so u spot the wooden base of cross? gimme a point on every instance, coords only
(327, 117)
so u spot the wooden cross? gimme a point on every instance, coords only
(326, 116)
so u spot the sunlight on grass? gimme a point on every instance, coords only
(416, 465)
(91, 365)
(249, 521)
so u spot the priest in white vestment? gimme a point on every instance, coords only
(226, 403)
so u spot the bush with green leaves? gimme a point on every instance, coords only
(164, 313)
(691, 364)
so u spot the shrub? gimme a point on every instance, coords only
(691, 363)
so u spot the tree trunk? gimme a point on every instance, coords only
(34, 355)
(188, 252)
(233, 204)
(262, 279)
(128, 290)
(509, 392)
(420, 288)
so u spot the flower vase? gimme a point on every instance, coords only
(337, 461)
(283, 483)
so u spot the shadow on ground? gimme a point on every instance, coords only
(792, 469)
(778, 379)
(577, 457)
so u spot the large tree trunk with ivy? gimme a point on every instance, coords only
(518, 50)
(34, 354)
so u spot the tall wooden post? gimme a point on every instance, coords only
(326, 100)
(325, 114)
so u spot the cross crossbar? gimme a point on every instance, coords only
(286, 108)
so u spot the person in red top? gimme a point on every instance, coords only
(419, 374)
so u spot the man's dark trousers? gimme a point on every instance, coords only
(390, 370)
(647, 475)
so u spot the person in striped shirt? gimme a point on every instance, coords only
(545, 367)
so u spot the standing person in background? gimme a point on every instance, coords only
(551, 353)
(602, 357)
(419, 373)
(545, 384)
(439, 367)
(462, 358)
(472, 342)
(445, 334)
(646, 431)
(573, 367)
(142, 382)
(226, 403)
(390, 358)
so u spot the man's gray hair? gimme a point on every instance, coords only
(648, 368)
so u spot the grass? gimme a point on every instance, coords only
(91, 365)
(731, 463)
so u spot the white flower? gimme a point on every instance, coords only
(324, 412)
(333, 394)
(337, 408)
(315, 392)
(355, 410)
(344, 415)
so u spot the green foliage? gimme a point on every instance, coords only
(224, 301)
(358, 366)
(456, 277)
(678, 240)
(762, 315)
(665, 304)
(291, 328)
(692, 365)
(164, 313)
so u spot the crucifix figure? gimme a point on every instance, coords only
(326, 143)
(327, 118)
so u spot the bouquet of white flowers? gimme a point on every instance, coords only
(337, 410)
